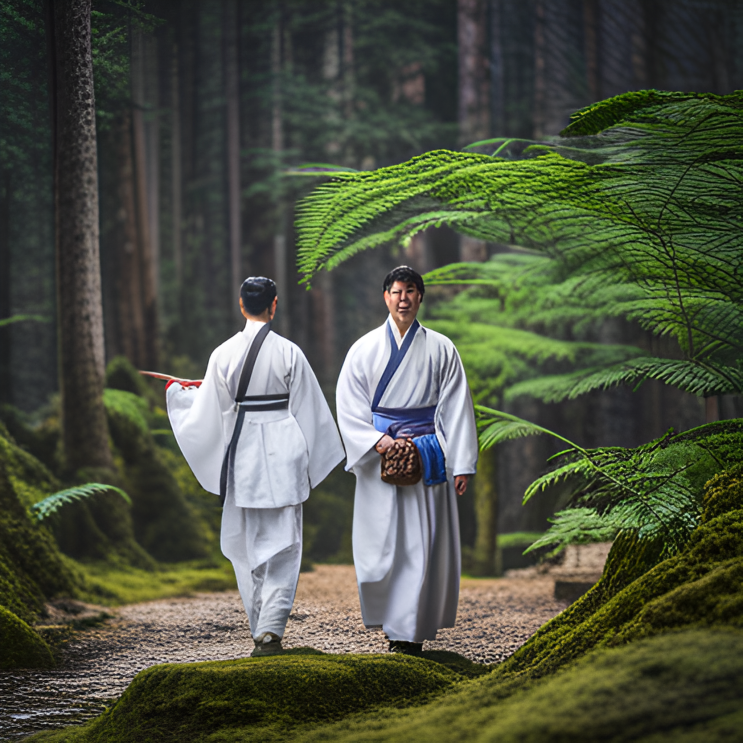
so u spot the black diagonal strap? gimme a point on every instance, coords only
(242, 387)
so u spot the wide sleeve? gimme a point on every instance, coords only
(196, 418)
(310, 409)
(456, 417)
(353, 405)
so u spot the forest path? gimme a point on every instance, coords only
(495, 618)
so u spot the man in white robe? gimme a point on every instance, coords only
(406, 538)
(286, 443)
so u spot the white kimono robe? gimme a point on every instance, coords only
(406, 539)
(280, 455)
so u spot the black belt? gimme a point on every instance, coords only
(254, 403)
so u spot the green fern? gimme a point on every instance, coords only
(45, 508)
(654, 490)
(635, 213)
(576, 526)
(648, 211)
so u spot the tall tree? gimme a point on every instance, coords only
(80, 311)
(232, 96)
(143, 188)
(474, 114)
(278, 42)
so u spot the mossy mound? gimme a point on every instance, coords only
(31, 566)
(683, 686)
(701, 587)
(177, 702)
(21, 646)
(164, 523)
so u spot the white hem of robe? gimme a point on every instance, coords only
(264, 546)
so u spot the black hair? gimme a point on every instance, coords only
(257, 293)
(405, 274)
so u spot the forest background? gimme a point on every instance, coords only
(203, 110)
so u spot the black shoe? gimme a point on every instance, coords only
(406, 648)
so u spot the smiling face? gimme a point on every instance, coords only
(403, 300)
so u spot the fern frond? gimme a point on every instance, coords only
(495, 427)
(693, 377)
(576, 526)
(51, 504)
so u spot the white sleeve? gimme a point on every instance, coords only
(455, 416)
(353, 406)
(196, 417)
(308, 405)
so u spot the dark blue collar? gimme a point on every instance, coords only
(396, 357)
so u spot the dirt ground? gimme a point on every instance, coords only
(496, 616)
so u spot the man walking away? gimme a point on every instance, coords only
(258, 432)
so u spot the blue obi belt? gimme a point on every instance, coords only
(417, 424)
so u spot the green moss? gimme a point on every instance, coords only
(177, 702)
(121, 375)
(688, 684)
(724, 493)
(31, 566)
(100, 528)
(699, 587)
(164, 523)
(113, 585)
(20, 646)
(685, 686)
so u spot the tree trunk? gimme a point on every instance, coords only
(130, 306)
(144, 244)
(497, 79)
(484, 556)
(474, 119)
(80, 311)
(6, 307)
(230, 33)
(277, 145)
(540, 71)
(474, 115)
(176, 175)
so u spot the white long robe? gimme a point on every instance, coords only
(406, 539)
(280, 455)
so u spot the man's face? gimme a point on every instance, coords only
(403, 300)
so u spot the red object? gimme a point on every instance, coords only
(184, 383)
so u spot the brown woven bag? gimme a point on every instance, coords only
(401, 463)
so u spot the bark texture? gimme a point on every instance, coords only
(474, 114)
(232, 95)
(130, 339)
(80, 312)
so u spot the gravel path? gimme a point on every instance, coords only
(495, 618)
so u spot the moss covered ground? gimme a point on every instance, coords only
(114, 585)
(22, 646)
(700, 587)
(653, 653)
(681, 686)
(100, 549)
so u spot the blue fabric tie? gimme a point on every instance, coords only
(419, 425)
(415, 423)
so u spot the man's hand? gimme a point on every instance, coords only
(384, 443)
(460, 483)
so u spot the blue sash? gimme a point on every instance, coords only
(415, 423)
